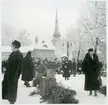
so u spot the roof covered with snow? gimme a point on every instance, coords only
(47, 46)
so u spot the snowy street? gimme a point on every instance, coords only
(75, 83)
(23, 95)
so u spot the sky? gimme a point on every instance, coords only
(38, 16)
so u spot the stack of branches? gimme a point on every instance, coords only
(60, 95)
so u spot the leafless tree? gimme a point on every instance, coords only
(93, 21)
(23, 37)
(91, 26)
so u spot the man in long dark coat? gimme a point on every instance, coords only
(65, 67)
(12, 74)
(91, 69)
(27, 69)
(74, 67)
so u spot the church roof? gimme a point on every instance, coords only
(45, 45)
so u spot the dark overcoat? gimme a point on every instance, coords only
(11, 76)
(79, 65)
(74, 66)
(70, 65)
(27, 69)
(66, 69)
(91, 69)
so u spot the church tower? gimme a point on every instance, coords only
(56, 35)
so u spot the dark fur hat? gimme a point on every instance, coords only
(91, 49)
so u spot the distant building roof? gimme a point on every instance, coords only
(22, 49)
(30, 48)
(63, 55)
(46, 46)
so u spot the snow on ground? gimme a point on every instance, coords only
(23, 95)
(77, 84)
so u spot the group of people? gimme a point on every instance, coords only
(70, 67)
(90, 66)
(32, 69)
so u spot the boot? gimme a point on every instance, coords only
(95, 93)
(74, 75)
(28, 85)
(67, 78)
(25, 83)
(12, 102)
(90, 93)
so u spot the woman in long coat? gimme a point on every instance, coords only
(12, 74)
(65, 67)
(91, 69)
(27, 73)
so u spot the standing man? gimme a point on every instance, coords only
(12, 74)
(74, 67)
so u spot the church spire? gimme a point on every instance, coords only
(56, 33)
(56, 22)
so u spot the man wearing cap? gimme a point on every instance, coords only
(90, 67)
(12, 74)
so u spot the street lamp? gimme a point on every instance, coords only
(97, 43)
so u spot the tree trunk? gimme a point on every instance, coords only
(78, 55)
(68, 49)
